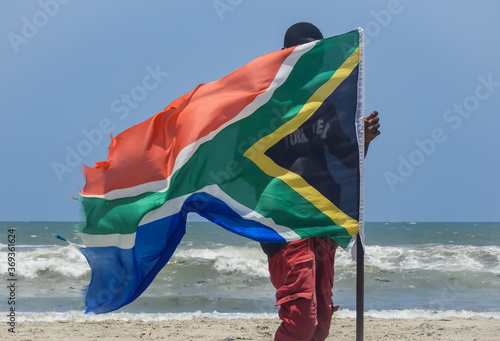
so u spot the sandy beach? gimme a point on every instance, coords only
(476, 328)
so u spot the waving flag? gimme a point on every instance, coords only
(272, 152)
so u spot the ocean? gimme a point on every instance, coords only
(411, 270)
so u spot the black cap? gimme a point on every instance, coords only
(296, 34)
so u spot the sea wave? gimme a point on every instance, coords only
(226, 259)
(67, 261)
(433, 257)
(63, 260)
(439, 257)
(79, 316)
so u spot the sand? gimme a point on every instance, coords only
(476, 328)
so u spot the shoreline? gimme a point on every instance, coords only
(208, 329)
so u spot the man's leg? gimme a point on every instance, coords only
(325, 256)
(293, 275)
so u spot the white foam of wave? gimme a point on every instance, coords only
(69, 262)
(417, 313)
(228, 259)
(79, 316)
(430, 257)
(422, 257)
(64, 260)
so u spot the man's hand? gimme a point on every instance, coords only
(371, 127)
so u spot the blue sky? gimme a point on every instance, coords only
(72, 72)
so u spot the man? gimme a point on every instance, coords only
(302, 271)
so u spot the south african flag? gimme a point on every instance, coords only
(272, 152)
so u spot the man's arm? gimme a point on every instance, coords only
(371, 128)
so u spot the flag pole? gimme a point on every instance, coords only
(360, 281)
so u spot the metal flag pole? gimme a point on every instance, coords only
(360, 286)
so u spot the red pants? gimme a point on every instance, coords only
(302, 274)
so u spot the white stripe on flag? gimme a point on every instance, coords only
(123, 241)
(173, 206)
